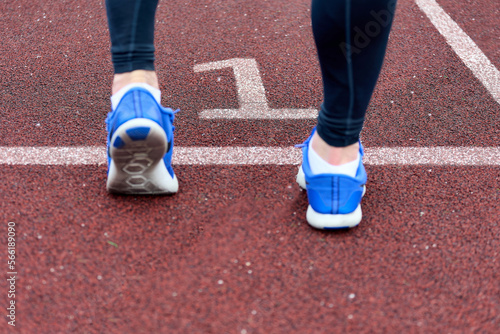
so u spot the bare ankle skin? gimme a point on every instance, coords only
(334, 155)
(122, 79)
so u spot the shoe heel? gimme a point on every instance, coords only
(333, 222)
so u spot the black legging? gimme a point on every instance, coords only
(131, 26)
(351, 38)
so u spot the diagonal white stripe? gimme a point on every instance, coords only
(90, 155)
(463, 46)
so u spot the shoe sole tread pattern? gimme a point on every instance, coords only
(137, 149)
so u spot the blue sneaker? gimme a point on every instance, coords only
(334, 199)
(140, 145)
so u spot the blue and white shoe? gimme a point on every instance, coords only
(334, 199)
(140, 146)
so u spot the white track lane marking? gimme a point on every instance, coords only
(96, 155)
(251, 94)
(463, 46)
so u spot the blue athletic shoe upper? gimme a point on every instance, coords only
(140, 103)
(333, 193)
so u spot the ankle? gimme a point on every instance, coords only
(121, 80)
(334, 155)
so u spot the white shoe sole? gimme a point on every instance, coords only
(330, 221)
(137, 165)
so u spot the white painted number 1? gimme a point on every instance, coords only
(251, 94)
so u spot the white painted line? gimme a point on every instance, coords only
(258, 111)
(251, 94)
(78, 155)
(96, 155)
(463, 46)
(458, 156)
(247, 76)
(236, 155)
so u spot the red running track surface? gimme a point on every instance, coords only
(231, 252)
